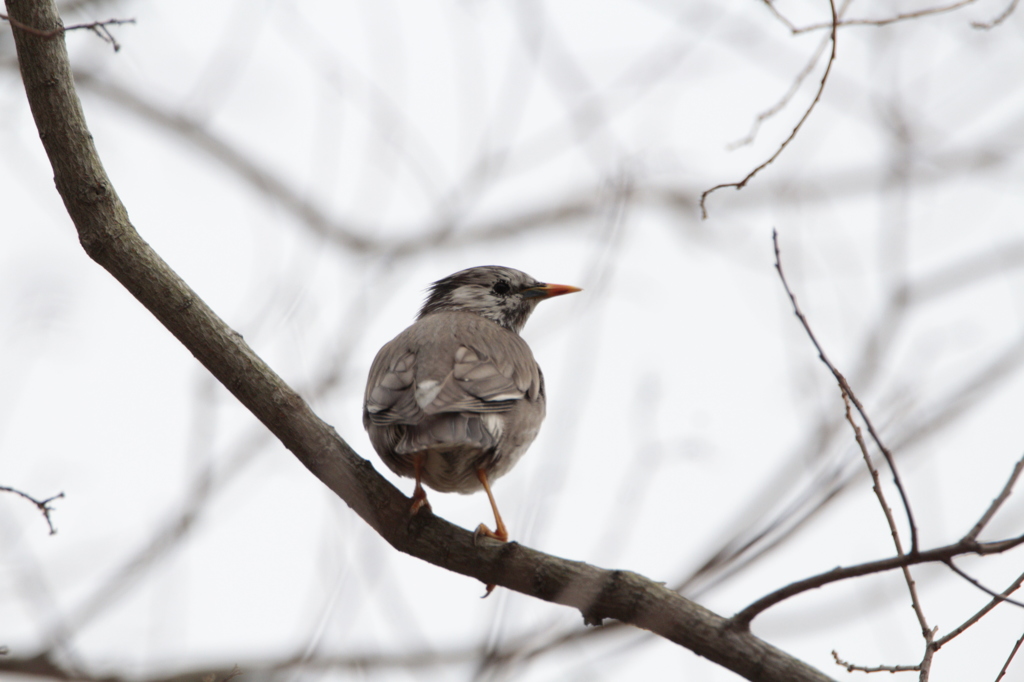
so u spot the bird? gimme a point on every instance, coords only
(457, 398)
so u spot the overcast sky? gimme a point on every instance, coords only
(310, 167)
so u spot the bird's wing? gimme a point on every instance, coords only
(458, 363)
(389, 396)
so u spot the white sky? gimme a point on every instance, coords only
(685, 403)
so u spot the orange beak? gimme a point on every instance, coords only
(550, 290)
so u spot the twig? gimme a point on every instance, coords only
(42, 505)
(876, 484)
(894, 530)
(1009, 659)
(848, 390)
(785, 143)
(966, 545)
(783, 101)
(998, 501)
(779, 15)
(794, 86)
(850, 667)
(983, 25)
(743, 618)
(888, 20)
(927, 632)
(100, 28)
(1014, 586)
(990, 592)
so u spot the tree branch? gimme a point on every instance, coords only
(100, 28)
(108, 237)
(42, 505)
(940, 554)
(847, 390)
(785, 143)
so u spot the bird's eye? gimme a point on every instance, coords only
(501, 287)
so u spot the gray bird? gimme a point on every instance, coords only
(456, 399)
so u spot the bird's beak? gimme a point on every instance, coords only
(549, 290)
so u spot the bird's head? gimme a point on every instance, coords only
(500, 294)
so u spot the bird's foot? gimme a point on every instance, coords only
(419, 501)
(501, 535)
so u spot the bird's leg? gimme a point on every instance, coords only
(499, 532)
(419, 495)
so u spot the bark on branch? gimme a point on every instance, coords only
(108, 237)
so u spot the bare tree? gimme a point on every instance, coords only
(878, 404)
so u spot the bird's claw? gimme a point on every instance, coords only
(419, 500)
(501, 535)
(418, 504)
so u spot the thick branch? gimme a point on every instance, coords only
(109, 238)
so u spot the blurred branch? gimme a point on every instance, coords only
(985, 25)
(572, 212)
(109, 238)
(759, 537)
(261, 179)
(785, 143)
(42, 505)
(794, 86)
(967, 271)
(205, 487)
(746, 547)
(45, 666)
(968, 544)
(161, 541)
(346, 234)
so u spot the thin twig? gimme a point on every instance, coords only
(887, 20)
(974, 581)
(782, 102)
(850, 667)
(876, 483)
(1014, 586)
(966, 545)
(985, 25)
(794, 86)
(1009, 659)
(42, 505)
(848, 390)
(785, 143)
(100, 28)
(779, 15)
(998, 501)
(915, 600)
(743, 618)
